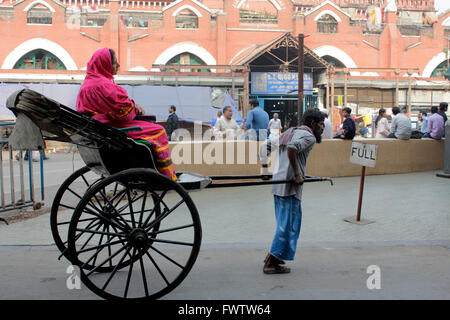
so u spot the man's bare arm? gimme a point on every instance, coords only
(293, 162)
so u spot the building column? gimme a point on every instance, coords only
(114, 35)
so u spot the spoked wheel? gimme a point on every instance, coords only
(149, 254)
(66, 199)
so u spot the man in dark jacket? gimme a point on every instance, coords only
(172, 122)
(349, 126)
(443, 106)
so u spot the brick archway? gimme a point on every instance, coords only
(190, 47)
(39, 43)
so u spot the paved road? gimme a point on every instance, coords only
(409, 241)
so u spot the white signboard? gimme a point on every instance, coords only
(363, 154)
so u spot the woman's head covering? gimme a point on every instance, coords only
(99, 95)
(100, 64)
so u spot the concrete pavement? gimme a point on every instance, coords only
(409, 241)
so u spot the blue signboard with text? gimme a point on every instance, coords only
(279, 83)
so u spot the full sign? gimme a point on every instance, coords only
(363, 154)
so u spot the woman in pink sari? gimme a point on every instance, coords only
(109, 103)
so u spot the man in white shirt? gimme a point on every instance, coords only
(226, 126)
(275, 126)
(328, 128)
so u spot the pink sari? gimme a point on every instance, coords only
(109, 103)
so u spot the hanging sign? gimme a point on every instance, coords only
(279, 83)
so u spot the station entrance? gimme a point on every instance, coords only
(274, 77)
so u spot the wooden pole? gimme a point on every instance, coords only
(327, 102)
(396, 88)
(361, 191)
(409, 94)
(345, 88)
(246, 92)
(332, 98)
(300, 77)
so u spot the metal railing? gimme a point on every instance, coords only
(13, 200)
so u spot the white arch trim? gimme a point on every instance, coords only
(370, 74)
(173, 4)
(186, 6)
(31, 5)
(331, 13)
(275, 4)
(187, 46)
(138, 68)
(446, 22)
(338, 54)
(433, 63)
(39, 43)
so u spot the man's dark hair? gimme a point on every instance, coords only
(311, 115)
(424, 113)
(348, 110)
(173, 108)
(443, 106)
(226, 108)
(254, 102)
(395, 110)
(434, 109)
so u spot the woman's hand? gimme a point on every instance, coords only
(139, 110)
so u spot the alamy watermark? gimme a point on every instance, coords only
(374, 280)
(73, 281)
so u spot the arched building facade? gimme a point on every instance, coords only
(61, 35)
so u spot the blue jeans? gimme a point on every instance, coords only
(288, 213)
(428, 135)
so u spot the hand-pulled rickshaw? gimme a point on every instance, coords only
(133, 232)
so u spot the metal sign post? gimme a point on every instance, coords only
(301, 57)
(365, 155)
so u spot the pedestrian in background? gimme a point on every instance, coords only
(275, 127)
(172, 122)
(226, 127)
(328, 128)
(435, 125)
(401, 125)
(219, 115)
(443, 106)
(423, 118)
(381, 124)
(257, 122)
(348, 126)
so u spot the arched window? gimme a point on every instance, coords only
(187, 58)
(257, 11)
(333, 61)
(39, 14)
(327, 24)
(440, 70)
(39, 59)
(186, 19)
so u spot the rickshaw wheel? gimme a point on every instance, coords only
(162, 248)
(67, 198)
